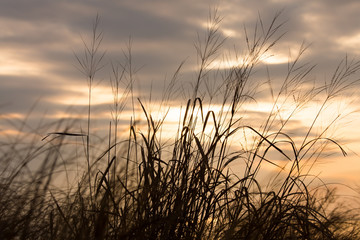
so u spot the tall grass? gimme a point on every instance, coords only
(142, 187)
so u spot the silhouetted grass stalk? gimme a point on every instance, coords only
(184, 188)
(89, 65)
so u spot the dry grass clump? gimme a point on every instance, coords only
(144, 188)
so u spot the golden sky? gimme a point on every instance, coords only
(38, 40)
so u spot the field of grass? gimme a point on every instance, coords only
(144, 186)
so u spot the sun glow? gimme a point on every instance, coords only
(275, 59)
(15, 64)
(12, 116)
(225, 64)
(99, 95)
(9, 132)
(229, 32)
(231, 63)
(351, 42)
(18, 68)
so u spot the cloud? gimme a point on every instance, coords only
(39, 38)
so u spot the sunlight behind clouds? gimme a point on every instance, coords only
(12, 64)
(37, 45)
(229, 32)
(275, 59)
(79, 96)
(350, 42)
(231, 63)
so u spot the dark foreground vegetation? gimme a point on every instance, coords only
(143, 187)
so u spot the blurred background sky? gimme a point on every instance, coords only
(38, 40)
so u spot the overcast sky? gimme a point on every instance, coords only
(38, 40)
